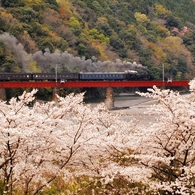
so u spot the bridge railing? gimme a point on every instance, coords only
(95, 84)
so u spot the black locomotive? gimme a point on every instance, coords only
(82, 76)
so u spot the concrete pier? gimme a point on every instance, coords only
(3, 94)
(109, 101)
(55, 92)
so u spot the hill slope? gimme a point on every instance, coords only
(98, 35)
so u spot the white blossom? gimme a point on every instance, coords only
(49, 139)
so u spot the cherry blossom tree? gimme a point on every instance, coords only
(167, 147)
(69, 138)
(41, 142)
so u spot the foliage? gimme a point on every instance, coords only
(141, 18)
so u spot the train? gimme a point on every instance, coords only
(81, 76)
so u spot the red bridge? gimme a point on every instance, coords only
(109, 85)
(81, 84)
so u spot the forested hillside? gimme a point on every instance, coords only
(82, 34)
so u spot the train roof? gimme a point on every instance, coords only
(101, 72)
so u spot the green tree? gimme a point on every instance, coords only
(3, 26)
(97, 7)
(161, 10)
(11, 3)
(116, 43)
(95, 34)
(46, 44)
(75, 25)
(103, 26)
(141, 18)
(172, 21)
(25, 14)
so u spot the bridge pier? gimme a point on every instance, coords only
(55, 92)
(3, 94)
(109, 101)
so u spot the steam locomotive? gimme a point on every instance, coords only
(81, 76)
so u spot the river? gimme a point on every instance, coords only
(122, 101)
(132, 106)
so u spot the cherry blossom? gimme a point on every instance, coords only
(168, 145)
(52, 139)
(69, 138)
